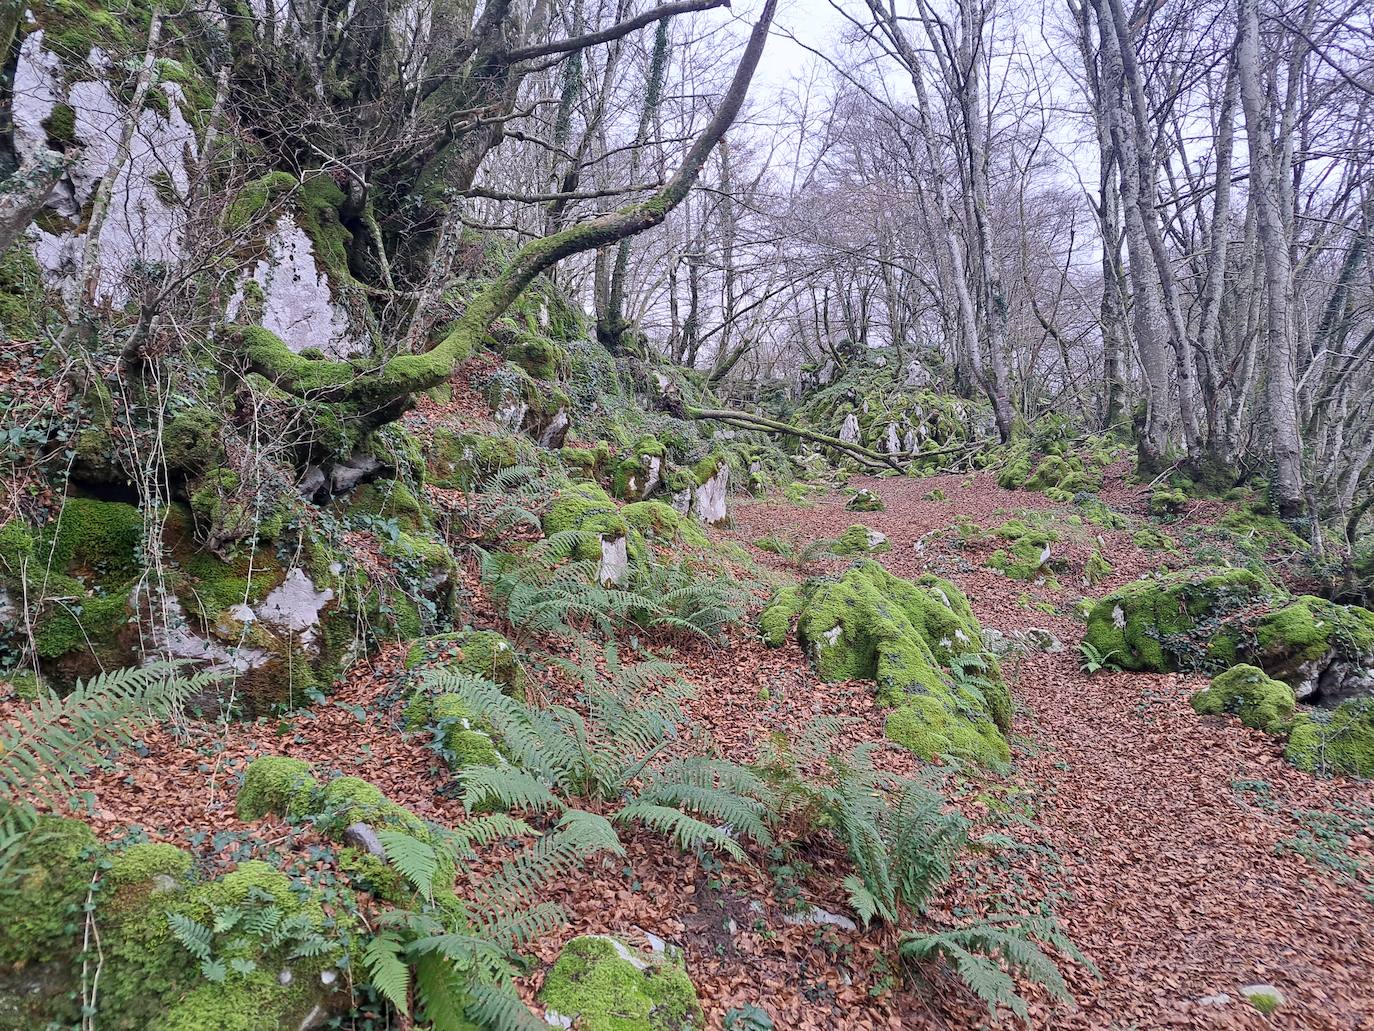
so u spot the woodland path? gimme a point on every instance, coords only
(1161, 825)
(1152, 829)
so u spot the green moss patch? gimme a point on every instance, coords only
(1339, 740)
(907, 637)
(860, 540)
(1310, 639)
(865, 500)
(483, 653)
(1260, 701)
(605, 986)
(1028, 553)
(662, 523)
(1167, 623)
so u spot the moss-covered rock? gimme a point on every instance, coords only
(1260, 701)
(1166, 623)
(149, 978)
(1340, 740)
(1167, 501)
(1323, 650)
(276, 784)
(865, 500)
(775, 621)
(192, 440)
(459, 459)
(483, 653)
(660, 522)
(345, 801)
(41, 910)
(461, 737)
(905, 636)
(860, 540)
(604, 985)
(640, 472)
(1029, 551)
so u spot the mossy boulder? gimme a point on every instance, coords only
(457, 460)
(1168, 501)
(277, 784)
(1245, 691)
(775, 621)
(1339, 740)
(483, 653)
(860, 540)
(907, 637)
(609, 537)
(1323, 650)
(150, 980)
(1029, 552)
(865, 500)
(343, 802)
(1179, 621)
(40, 910)
(192, 440)
(660, 522)
(603, 985)
(640, 472)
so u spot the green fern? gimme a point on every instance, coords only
(558, 755)
(415, 860)
(900, 836)
(48, 744)
(194, 937)
(985, 955)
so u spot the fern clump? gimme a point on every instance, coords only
(606, 986)
(900, 836)
(987, 954)
(558, 755)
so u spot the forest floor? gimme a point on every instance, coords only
(1181, 853)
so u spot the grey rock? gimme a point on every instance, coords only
(346, 475)
(615, 561)
(312, 481)
(361, 836)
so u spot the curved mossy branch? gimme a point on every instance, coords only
(872, 459)
(326, 380)
(750, 421)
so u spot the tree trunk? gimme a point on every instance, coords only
(1282, 386)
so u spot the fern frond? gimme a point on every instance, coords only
(498, 1007)
(524, 925)
(440, 992)
(743, 815)
(578, 836)
(985, 954)
(689, 832)
(414, 859)
(506, 786)
(194, 937)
